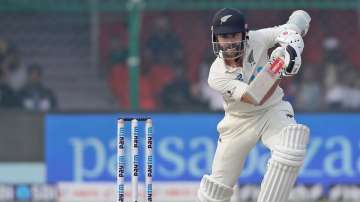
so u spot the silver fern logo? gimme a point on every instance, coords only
(225, 18)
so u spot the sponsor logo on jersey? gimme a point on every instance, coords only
(239, 77)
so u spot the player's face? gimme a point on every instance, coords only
(230, 45)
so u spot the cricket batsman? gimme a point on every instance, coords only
(247, 72)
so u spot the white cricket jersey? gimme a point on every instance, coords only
(232, 82)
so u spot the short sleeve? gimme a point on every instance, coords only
(231, 89)
(268, 35)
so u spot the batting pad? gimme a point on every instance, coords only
(212, 191)
(284, 164)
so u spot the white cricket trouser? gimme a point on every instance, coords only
(238, 135)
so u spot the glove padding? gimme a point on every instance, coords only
(290, 57)
(292, 62)
(290, 37)
(279, 59)
(293, 45)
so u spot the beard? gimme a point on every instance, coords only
(232, 53)
(229, 50)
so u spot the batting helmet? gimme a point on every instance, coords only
(228, 21)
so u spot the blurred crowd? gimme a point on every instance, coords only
(21, 87)
(333, 85)
(172, 79)
(175, 58)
